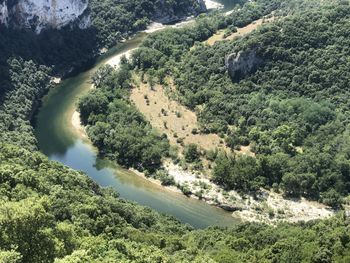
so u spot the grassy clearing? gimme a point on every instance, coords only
(220, 35)
(169, 117)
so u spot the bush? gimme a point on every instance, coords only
(191, 153)
(165, 178)
(185, 190)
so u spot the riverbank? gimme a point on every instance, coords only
(267, 207)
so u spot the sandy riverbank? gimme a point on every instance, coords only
(213, 5)
(115, 61)
(76, 123)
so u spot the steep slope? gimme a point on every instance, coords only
(50, 213)
(43, 14)
(281, 90)
(116, 20)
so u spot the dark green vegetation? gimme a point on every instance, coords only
(115, 20)
(28, 83)
(293, 111)
(50, 213)
(163, 50)
(116, 127)
(66, 49)
(72, 48)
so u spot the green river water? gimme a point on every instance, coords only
(60, 141)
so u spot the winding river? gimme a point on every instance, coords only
(59, 139)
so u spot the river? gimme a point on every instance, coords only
(60, 141)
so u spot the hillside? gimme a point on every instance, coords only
(291, 110)
(50, 213)
(278, 90)
(63, 43)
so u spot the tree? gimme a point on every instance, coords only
(223, 169)
(245, 171)
(332, 198)
(23, 225)
(191, 153)
(291, 185)
(92, 103)
(10, 256)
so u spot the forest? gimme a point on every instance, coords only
(28, 83)
(71, 49)
(292, 110)
(115, 20)
(116, 127)
(51, 213)
(113, 124)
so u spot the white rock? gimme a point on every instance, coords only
(41, 14)
(3, 13)
(210, 4)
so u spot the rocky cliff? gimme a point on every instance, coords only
(41, 14)
(242, 63)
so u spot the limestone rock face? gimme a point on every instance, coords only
(242, 63)
(165, 14)
(3, 13)
(42, 14)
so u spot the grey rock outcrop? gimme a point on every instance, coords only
(242, 63)
(42, 14)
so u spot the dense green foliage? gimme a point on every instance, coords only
(116, 127)
(162, 50)
(293, 111)
(28, 83)
(66, 49)
(294, 106)
(115, 20)
(71, 48)
(50, 213)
